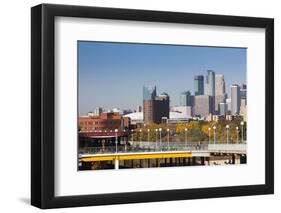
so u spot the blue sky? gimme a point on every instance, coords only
(111, 75)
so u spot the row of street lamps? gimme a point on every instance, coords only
(185, 135)
(185, 130)
(160, 136)
(227, 133)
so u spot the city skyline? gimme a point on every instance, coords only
(126, 68)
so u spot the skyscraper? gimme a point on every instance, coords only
(148, 108)
(186, 99)
(243, 109)
(210, 83)
(203, 105)
(235, 99)
(219, 84)
(155, 107)
(161, 107)
(243, 104)
(149, 94)
(220, 95)
(243, 91)
(185, 110)
(228, 103)
(198, 85)
(223, 109)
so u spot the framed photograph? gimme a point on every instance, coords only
(136, 106)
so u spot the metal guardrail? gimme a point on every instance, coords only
(129, 149)
(153, 147)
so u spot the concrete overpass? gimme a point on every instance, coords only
(150, 151)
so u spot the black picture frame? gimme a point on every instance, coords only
(43, 101)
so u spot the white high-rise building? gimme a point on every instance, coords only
(219, 91)
(223, 109)
(243, 109)
(228, 103)
(186, 110)
(235, 99)
(210, 83)
(219, 85)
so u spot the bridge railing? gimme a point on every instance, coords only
(142, 148)
(164, 147)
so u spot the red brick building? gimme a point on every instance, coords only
(105, 121)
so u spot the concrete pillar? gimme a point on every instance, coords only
(116, 165)
(237, 160)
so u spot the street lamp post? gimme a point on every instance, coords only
(168, 131)
(116, 149)
(214, 134)
(132, 136)
(227, 129)
(148, 137)
(160, 138)
(156, 134)
(140, 136)
(242, 128)
(116, 138)
(125, 145)
(185, 137)
(209, 135)
(103, 142)
(237, 131)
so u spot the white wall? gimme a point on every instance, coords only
(15, 106)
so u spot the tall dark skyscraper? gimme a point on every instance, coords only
(243, 91)
(161, 107)
(210, 83)
(198, 85)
